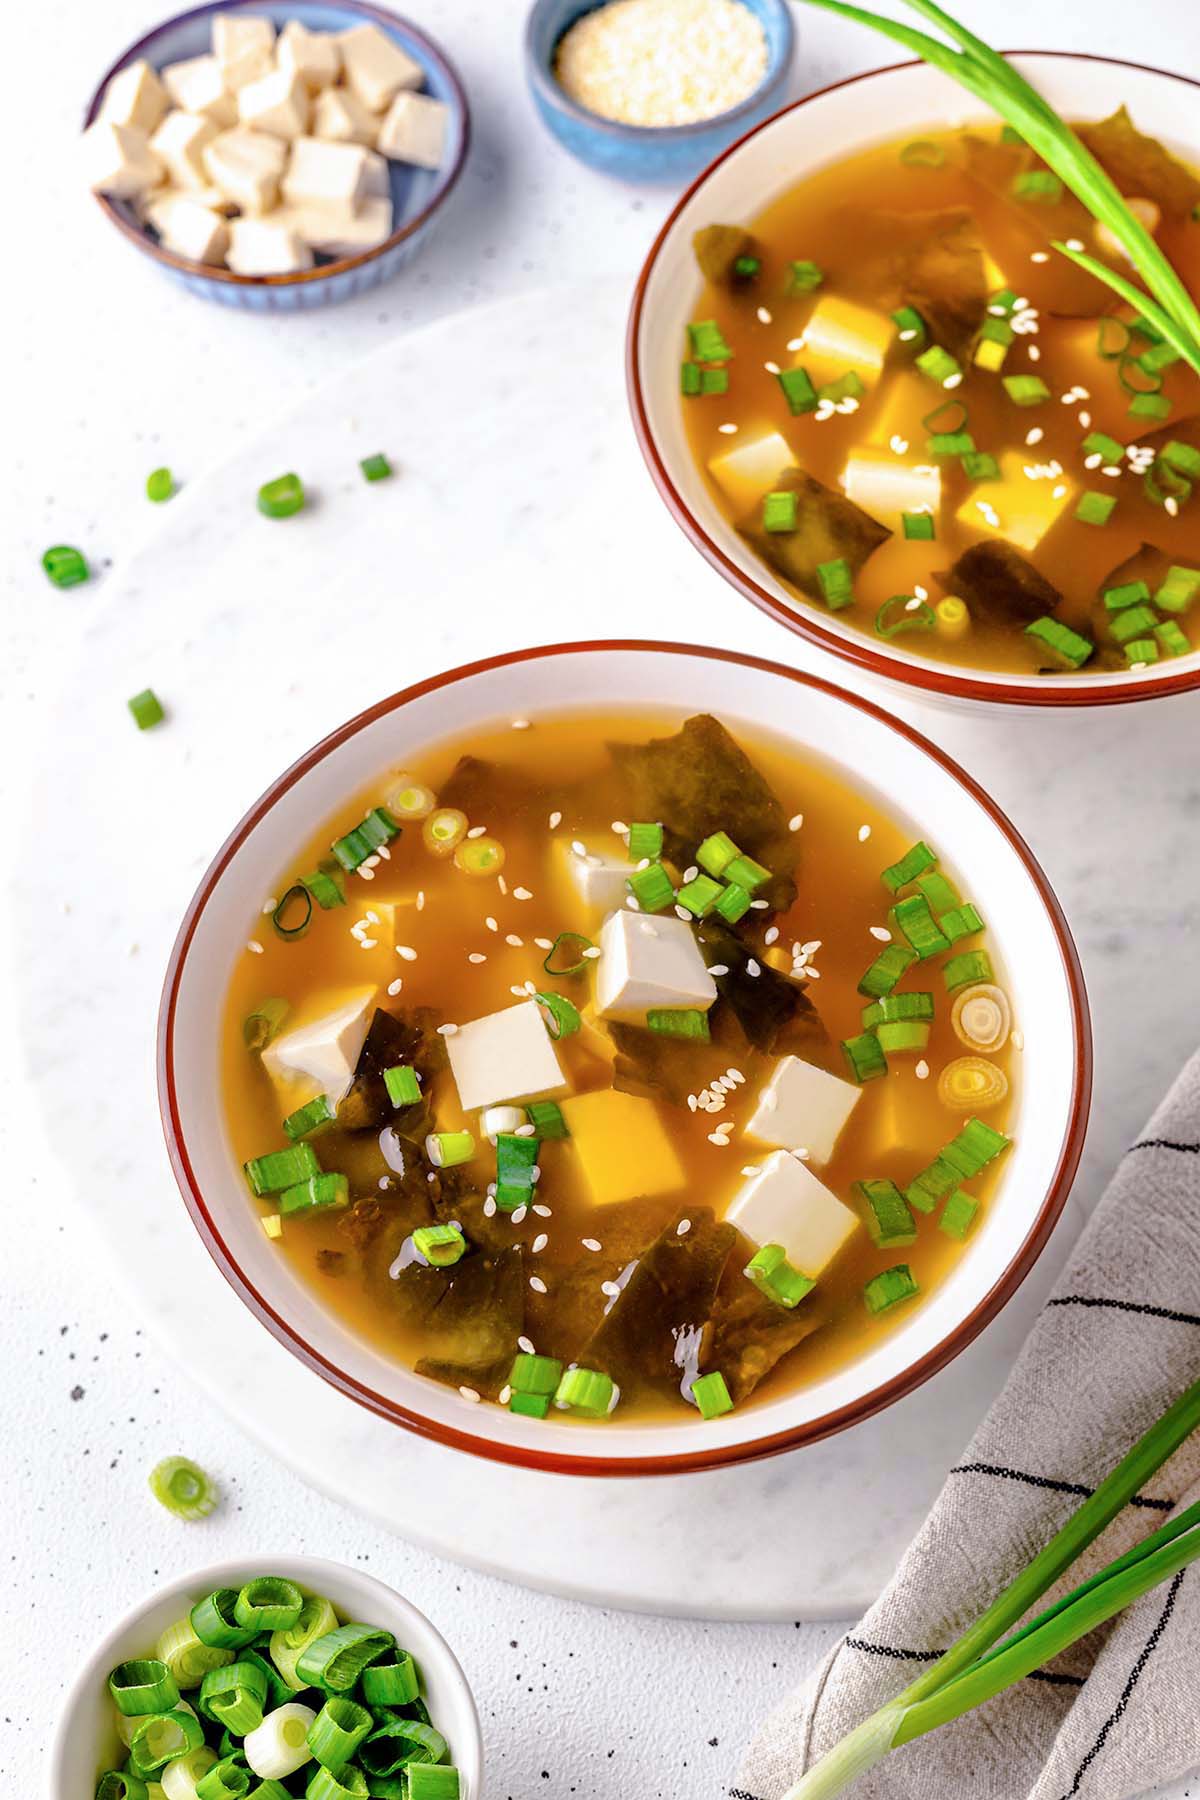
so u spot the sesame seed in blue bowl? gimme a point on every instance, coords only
(652, 90)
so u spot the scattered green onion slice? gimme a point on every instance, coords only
(1025, 390)
(410, 800)
(213, 1622)
(280, 498)
(1066, 646)
(958, 1214)
(433, 1781)
(183, 1488)
(701, 894)
(918, 525)
(376, 468)
(922, 153)
(886, 970)
(561, 958)
(938, 365)
(147, 709)
(708, 342)
(679, 1022)
(143, 1685)
(964, 970)
(280, 1169)
(227, 1779)
(890, 1288)
(889, 1219)
(337, 1731)
(1112, 338)
(560, 1015)
(441, 1245)
(910, 326)
(711, 1395)
(297, 906)
(310, 1118)
(645, 841)
(160, 485)
(444, 830)
(268, 1603)
(447, 1149)
(402, 1084)
(479, 856)
(734, 903)
(779, 512)
(804, 277)
(798, 391)
(158, 1738)
(1042, 185)
(586, 1391)
(651, 888)
(390, 1683)
(864, 1058)
(235, 1696)
(346, 1784)
(325, 887)
(65, 565)
(1095, 508)
(904, 612)
(774, 1276)
(836, 582)
(186, 1656)
(317, 1619)
(261, 1025)
(532, 1374)
(335, 1662)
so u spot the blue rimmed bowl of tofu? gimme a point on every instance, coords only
(278, 157)
(610, 1086)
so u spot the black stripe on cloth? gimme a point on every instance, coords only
(931, 1656)
(1135, 1676)
(1129, 1306)
(741, 1794)
(1164, 1144)
(1058, 1487)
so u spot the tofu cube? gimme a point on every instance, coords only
(504, 1056)
(886, 485)
(315, 56)
(340, 117)
(784, 1203)
(278, 104)
(266, 247)
(135, 96)
(744, 475)
(597, 883)
(375, 67)
(898, 414)
(803, 1107)
(119, 162)
(1017, 507)
(623, 1147)
(337, 231)
(179, 143)
(378, 176)
(244, 45)
(187, 228)
(246, 167)
(319, 1055)
(414, 130)
(649, 961)
(198, 86)
(330, 174)
(839, 336)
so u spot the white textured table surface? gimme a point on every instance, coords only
(109, 371)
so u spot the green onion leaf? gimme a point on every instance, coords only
(708, 342)
(268, 1603)
(292, 917)
(376, 468)
(711, 1395)
(280, 498)
(65, 565)
(402, 1084)
(335, 1662)
(147, 709)
(563, 956)
(798, 391)
(679, 1022)
(440, 1245)
(560, 1016)
(183, 1488)
(645, 841)
(160, 485)
(586, 1391)
(143, 1685)
(1067, 647)
(904, 612)
(337, 1731)
(889, 1289)
(804, 277)
(391, 1683)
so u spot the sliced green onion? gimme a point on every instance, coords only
(280, 1169)
(798, 391)
(1025, 390)
(160, 485)
(585, 1391)
(399, 1743)
(980, 465)
(317, 1618)
(213, 1622)
(268, 1603)
(121, 1784)
(744, 872)
(949, 443)
(234, 1696)
(403, 1087)
(716, 853)
(562, 959)
(532, 1374)
(279, 1746)
(1141, 650)
(158, 1738)
(865, 1059)
(1094, 508)
(889, 1220)
(1171, 639)
(779, 510)
(892, 1008)
(847, 387)
(711, 1395)
(804, 277)
(546, 1118)
(447, 1149)
(444, 830)
(996, 337)
(319, 1193)
(940, 893)
(1129, 593)
(910, 326)
(958, 1214)
(1178, 589)
(325, 888)
(479, 856)
(337, 1731)
(700, 895)
(938, 365)
(889, 1289)
(651, 888)
(143, 1685)
(186, 1656)
(708, 342)
(227, 1779)
(147, 709)
(922, 153)
(679, 1022)
(914, 862)
(346, 1784)
(927, 1188)
(836, 582)
(433, 1781)
(904, 612)
(441, 1245)
(65, 565)
(560, 1016)
(179, 1778)
(530, 1406)
(1112, 338)
(645, 841)
(1135, 621)
(774, 1276)
(516, 1159)
(1150, 406)
(280, 498)
(292, 917)
(410, 800)
(377, 828)
(1098, 443)
(968, 967)
(335, 1662)
(918, 525)
(886, 970)
(960, 922)
(1067, 647)
(1042, 185)
(391, 1683)
(733, 904)
(261, 1025)
(900, 1035)
(973, 1149)
(689, 379)
(376, 468)
(183, 1488)
(912, 917)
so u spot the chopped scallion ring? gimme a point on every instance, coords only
(440, 1245)
(479, 856)
(922, 153)
(143, 1685)
(260, 1026)
(296, 907)
(447, 1149)
(444, 830)
(65, 565)
(335, 1662)
(160, 485)
(337, 1731)
(402, 1084)
(269, 1603)
(561, 1016)
(903, 612)
(376, 468)
(147, 709)
(183, 1488)
(561, 958)
(280, 498)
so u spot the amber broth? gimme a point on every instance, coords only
(846, 839)
(816, 220)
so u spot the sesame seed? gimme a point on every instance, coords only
(752, 968)
(690, 873)
(502, 884)
(525, 1131)
(1039, 256)
(772, 368)
(761, 905)
(610, 1288)
(526, 1344)
(477, 831)
(514, 942)
(420, 899)
(795, 822)
(770, 935)
(1085, 419)
(864, 832)
(395, 986)
(254, 947)
(543, 1212)
(922, 1070)
(468, 1393)
(555, 820)
(520, 724)
(505, 1395)
(1074, 243)
(796, 343)
(544, 943)
(491, 923)
(489, 1208)
(518, 991)
(518, 1217)
(539, 1243)
(591, 953)
(683, 1227)
(578, 848)
(620, 827)
(763, 316)
(476, 956)
(447, 1030)
(1033, 353)
(715, 1137)
(407, 952)
(1036, 435)
(727, 429)
(1017, 1040)
(268, 906)
(590, 1243)
(881, 932)
(368, 943)
(522, 893)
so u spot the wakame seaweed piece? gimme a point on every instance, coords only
(391, 1038)
(489, 791)
(775, 1013)
(1141, 166)
(667, 1069)
(829, 528)
(468, 1332)
(1000, 585)
(718, 247)
(701, 781)
(671, 1292)
(750, 1335)
(932, 261)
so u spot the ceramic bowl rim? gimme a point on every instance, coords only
(553, 94)
(804, 621)
(447, 178)
(906, 1379)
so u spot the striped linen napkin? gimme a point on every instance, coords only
(1117, 1342)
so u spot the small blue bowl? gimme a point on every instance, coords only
(641, 152)
(417, 194)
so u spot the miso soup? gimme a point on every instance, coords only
(931, 424)
(603, 1062)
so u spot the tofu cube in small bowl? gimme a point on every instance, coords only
(277, 157)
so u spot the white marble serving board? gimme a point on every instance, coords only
(521, 513)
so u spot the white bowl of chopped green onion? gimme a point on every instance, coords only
(238, 1678)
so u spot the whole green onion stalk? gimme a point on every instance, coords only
(985, 73)
(980, 1666)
